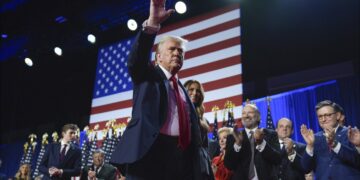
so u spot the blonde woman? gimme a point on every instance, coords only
(24, 172)
(219, 169)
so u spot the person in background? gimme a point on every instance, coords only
(252, 153)
(338, 108)
(291, 152)
(196, 93)
(99, 169)
(219, 169)
(328, 152)
(24, 172)
(62, 160)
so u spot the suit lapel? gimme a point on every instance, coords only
(56, 152)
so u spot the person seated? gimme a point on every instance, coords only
(24, 172)
(219, 169)
(99, 169)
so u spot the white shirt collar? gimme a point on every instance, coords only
(248, 131)
(167, 73)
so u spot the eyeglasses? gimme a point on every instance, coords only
(326, 115)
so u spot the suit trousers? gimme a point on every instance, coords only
(164, 161)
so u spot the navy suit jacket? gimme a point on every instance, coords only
(329, 165)
(150, 104)
(71, 164)
(265, 161)
(288, 170)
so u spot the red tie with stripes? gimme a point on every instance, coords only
(184, 126)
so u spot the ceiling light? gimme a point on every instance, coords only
(58, 51)
(28, 62)
(132, 25)
(91, 38)
(180, 7)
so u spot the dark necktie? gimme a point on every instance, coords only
(184, 127)
(63, 152)
(252, 146)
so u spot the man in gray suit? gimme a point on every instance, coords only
(99, 170)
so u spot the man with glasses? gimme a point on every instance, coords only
(329, 153)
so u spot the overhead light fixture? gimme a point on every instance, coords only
(58, 51)
(4, 36)
(180, 7)
(132, 24)
(28, 62)
(91, 38)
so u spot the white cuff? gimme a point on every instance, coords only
(292, 157)
(358, 149)
(309, 152)
(149, 29)
(237, 147)
(261, 146)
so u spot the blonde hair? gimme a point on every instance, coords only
(18, 174)
(227, 130)
(166, 38)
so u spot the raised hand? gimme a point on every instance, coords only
(308, 136)
(158, 13)
(354, 136)
(259, 136)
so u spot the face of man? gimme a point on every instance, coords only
(284, 128)
(69, 135)
(98, 159)
(170, 56)
(194, 92)
(250, 118)
(327, 117)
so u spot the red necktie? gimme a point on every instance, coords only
(184, 126)
(62, 153)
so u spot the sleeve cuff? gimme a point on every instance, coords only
(292, 157)
(309, 152)
(150, 29)
(261, 146)
(237, 147)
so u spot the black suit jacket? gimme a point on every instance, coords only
(107, 172)
(150, 104)
(288, 170)
(265, 161)
(71, 165)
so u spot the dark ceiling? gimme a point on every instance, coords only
(278, 37)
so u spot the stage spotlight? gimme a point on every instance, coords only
(28, 62)
(91, 38)
(58, 51)
(132, 25)
(180, 7)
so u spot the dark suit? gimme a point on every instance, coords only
(150, 107)
(264, 161)
(107, 172)
(288, 170)
(71, 165)
(329, 165)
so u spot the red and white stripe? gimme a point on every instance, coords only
(213, 57)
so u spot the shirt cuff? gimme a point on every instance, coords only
(336, 149)
(292, 157)
(309, 152)
(358, 149)
(261, 146)
(237, 147)
(150, 29)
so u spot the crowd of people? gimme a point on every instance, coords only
(167, 135)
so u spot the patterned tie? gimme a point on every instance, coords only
(252, 165)
(184, 126)
(62, 153)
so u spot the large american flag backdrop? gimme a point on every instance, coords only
(213, 57)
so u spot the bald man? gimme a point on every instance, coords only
(291, 152)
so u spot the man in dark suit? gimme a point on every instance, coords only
(162, 140)
(62, 160)
(329, 152)
(291, 152)
(99, 170)
(252, 153)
